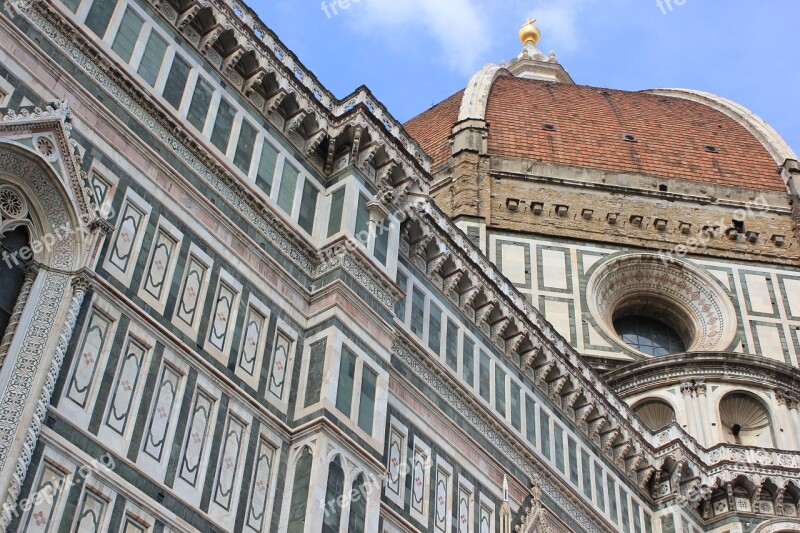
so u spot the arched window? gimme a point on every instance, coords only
(299, 503)
(358, 506)
(767, 498)
(745, 420)
(741, 499)
(655, 414)
(12, 273)
(332, 517)
(791, 499)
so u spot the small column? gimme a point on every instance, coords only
(703, 414)
(687, 388)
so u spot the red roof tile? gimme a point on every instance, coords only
(671, 133)
(432, 128)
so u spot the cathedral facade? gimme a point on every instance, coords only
(232, 301)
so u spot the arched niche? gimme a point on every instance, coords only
(745, 420)
(654, 413)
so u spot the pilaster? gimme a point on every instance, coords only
(687, 389)
(703, 414)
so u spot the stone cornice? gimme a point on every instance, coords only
(671, 196)
(730, 367)
(273, 57)
(263, 36)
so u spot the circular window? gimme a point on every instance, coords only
(649, 336)
(653, 305)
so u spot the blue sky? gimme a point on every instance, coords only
(414, 53)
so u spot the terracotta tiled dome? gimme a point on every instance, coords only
(662, 135)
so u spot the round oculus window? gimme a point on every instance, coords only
(652, 305)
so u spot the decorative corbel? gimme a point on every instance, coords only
(368, 154)
(187, 16)
(231, 60)
(644, 475)
(568, 400)
(211, 36)
(541, 372)
(529, 357)
(314, 141)
(419, 246)
(555, 386)
(596, 425)
(513, 343)
(250, 84)
(385, 173)
(482, 313)
(359, 132)
(632, 463)
(499, 327)
(331, 156)
(294, 123)
(451, 280)
(468, 296)
(621, 451)
(274, 101)
(436, 263)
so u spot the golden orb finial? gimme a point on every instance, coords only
(529, 33)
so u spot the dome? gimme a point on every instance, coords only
(671, 134)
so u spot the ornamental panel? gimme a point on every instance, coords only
(42, 515)
(280, 363)
(259, 492)
(196, 437)
(131, 222)
(161, 415)
(253, 332)
(229, 458)
(396, 443)
(91, 514)
(190, 299)
(221, 316)
(442, 496)
(126, 386)
(156, 281)
(84, 374)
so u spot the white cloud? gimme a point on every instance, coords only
(558, 25)
(470, 33)
(458, 26)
